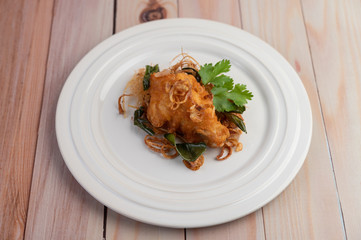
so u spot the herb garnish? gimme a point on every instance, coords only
(188, 151)
(227, 97)
(236, 120)
(148, 71)
(142, 122)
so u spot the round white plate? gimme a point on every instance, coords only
(107, 154)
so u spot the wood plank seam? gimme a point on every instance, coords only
(105, 222)
(324, 124)
(41, 104)
(105, 216)
(114, 16)
(264, 224)
(240, 13)
(177, 8)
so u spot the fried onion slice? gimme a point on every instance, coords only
(194, 166)
(220, 156)
(121, 103)
(160, 145)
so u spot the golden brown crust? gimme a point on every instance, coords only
(181, 105)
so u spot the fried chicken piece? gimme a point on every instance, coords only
(181, 105)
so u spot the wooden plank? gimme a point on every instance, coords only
(221, 11)
(334, 31)
(130, 13)
(25, 32)
(309, 208)
(251, 226)
(59, 207)
(120, 227)
(248, 227)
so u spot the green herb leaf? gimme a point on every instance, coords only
(223, 81)
(226, 96)
(206, 73)
(141, 122)
(222, 67)
(170, 137)
(240, 109)
(190, 151)
(148, 71)
(239, 95)
(236, 120)
(220, 100)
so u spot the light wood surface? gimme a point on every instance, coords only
(303, 202)
(130, 13)
(41, 42)
(58, 207)
(24, 41)
(221, 11)
(335, 43)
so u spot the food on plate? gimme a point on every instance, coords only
(181, 105)
(199, 106)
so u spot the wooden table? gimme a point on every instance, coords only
(40, 43)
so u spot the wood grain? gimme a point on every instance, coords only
(309, 208)
(130, 13)
(221, 11)
(118, 226)
(251, 226)
(334, 31)
(42, 40)
(59, 207)
(25, 32)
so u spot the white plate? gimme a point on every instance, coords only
(107, 155)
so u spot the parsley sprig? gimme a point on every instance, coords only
(227, 97)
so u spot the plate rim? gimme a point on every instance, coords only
(61, 108)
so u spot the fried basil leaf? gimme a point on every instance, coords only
(240, 109)
(142, 122)
(190, 151)
(236, 120)
(148, 71)
(170, 137)
(193, 72)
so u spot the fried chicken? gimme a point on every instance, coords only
(181, 105)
